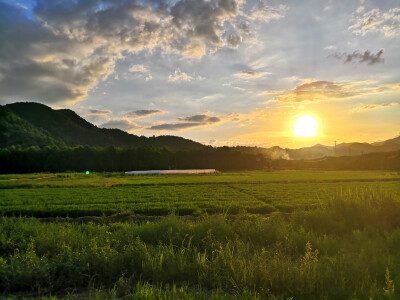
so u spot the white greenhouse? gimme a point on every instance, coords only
(160, 172)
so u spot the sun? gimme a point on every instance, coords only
(305, 126)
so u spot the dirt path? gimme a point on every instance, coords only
(129, 218)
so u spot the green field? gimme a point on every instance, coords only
(340, 240)
(73, 195)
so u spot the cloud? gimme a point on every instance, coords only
(377, 106)
(204, 20)
(188, 122)
(370, 107)
(179, 76)
(266, 13)
(234, 40)
(138, 69)
(357, 57)
(175, 126)
(141, 71)
(244, 27)
(376, 21)
(194, 49)
(312, 90)
(315, 90)
(65, 48)
(99, 112)
(94, 115)
(234, 117)
(272, 92)
(39, 65)
(142, 113)
(250, 74)
(330, 47)
(200, 119)
(122, 124)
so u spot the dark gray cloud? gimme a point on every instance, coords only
(94, 115)
(200, 119)
(244, 27)
(360, 58)
(38, 64)
(175, 126)
(72, 45)
(122, 124)
(99, 112)
(188, 122)
(234, 40)
(203, 19)
(143, 113)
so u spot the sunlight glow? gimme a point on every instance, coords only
(305, 126)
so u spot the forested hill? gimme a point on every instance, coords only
(33, 124)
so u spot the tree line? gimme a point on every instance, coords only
(114, 159)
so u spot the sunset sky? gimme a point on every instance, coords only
(221, 72)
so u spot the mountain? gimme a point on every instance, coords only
(33, 124)
(343, 149)
(316, 151)
(369, 161)
(389, 144)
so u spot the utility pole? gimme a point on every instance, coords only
(335, 149)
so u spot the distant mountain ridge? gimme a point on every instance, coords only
(344, 149)
(321, 151)
(33, 124)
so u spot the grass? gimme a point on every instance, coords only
(340, 241)
(77, 195)
(111, 179)
(347, 248)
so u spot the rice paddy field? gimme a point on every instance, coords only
(249, 235)
(76, 195)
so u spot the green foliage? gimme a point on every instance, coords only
(341, 240)
(15, 131)
(248, 258)
(33, 124)
(76, 195)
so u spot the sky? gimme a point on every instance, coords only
(220, 72)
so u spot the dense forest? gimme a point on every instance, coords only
(98, 159)
(83, 158)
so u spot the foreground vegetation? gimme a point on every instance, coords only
(327, 235)
(346, 248)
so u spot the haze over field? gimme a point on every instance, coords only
(221, 72)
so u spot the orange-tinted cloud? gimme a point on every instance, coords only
(370, 107)
(312, 90)
(316, 90)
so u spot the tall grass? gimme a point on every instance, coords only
(347, 248)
